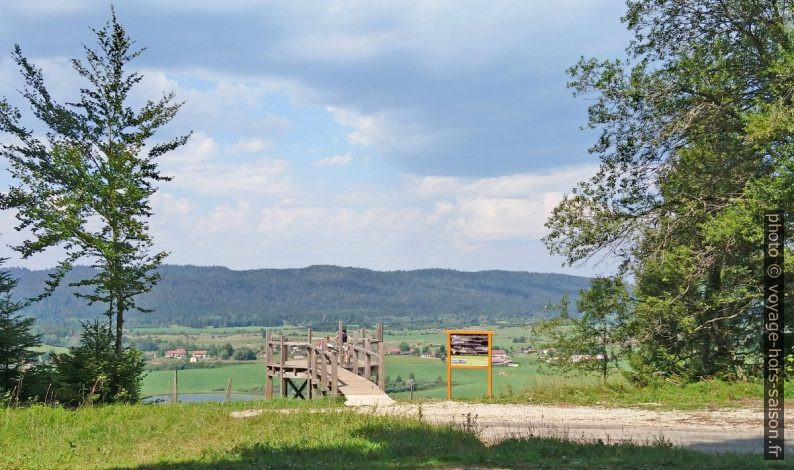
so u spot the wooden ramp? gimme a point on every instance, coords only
(309, 370)
(359, 391)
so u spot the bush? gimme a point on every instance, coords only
(92, 373)
(245, 354)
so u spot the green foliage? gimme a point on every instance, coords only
(86, 189)
(245, 354)
(596, 341)
(225, 351)
(16, 338)
(93, 373)
(317, 296)
(695, 143)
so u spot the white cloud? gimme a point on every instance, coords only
(264, 176)
(227, 219)
(199, 167)
(392, 130)
(336, 160)
(249, 145)
(167, 204)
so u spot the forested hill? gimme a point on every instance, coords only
(317, 295)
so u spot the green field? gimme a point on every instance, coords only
(466, 383)
(292, 434)
(45, 348)
(530, 382)
(245, 378)
(251, 336)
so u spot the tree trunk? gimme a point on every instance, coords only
(714, 282)
(119, 326)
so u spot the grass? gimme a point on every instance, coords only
(707, 394)
(245, 378)
(305, 435)
(45, 348)
(468, 384)
(525, 384)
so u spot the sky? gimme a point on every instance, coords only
(384, 135)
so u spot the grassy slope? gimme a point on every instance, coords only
(311, 436)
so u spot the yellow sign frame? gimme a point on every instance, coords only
(488, 365)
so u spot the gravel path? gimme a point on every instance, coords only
(739, 430)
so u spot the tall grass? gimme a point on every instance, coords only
(295, 435)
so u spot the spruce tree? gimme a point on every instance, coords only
(85, 187)
(16, 337)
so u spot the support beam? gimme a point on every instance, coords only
(367, 360)
(282, 363)
(339, 345)
(334, 374)
(268, 363)
(381, 357)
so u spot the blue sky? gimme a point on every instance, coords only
(385, 135)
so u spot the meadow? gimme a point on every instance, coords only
(531, 382)
(289, 434)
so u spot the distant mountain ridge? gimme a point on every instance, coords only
(317, 295)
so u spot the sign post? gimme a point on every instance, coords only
(469, 349)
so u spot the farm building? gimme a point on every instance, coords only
(179, 353)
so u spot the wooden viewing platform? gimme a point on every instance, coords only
(312, 368)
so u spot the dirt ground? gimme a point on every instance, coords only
(738, 430)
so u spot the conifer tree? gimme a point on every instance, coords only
(85, 187)
(16, 337)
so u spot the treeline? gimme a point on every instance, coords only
(316, 295)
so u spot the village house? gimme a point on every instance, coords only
(179, 353)
(196, 356)
(498, 354)
(393, 351)
(499, 357)
(586, 357)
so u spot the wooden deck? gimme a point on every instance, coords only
(322, 369)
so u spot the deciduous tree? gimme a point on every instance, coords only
(696, 140)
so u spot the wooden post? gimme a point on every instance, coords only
(334, 374)
(449, 368)
(229, 389)
(175, 398)
(268, 369)
(339, 345)
(381, 357)
(309, 355)
(353, 355)
(367, 360)
(323, 367)
(490, 367)
(282, 361)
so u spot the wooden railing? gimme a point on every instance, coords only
(319, 361)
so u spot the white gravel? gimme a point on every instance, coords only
(736, 430)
